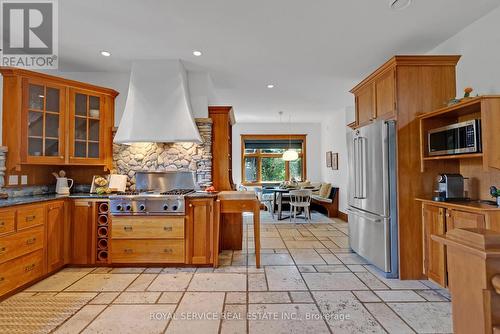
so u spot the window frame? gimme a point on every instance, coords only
(259, 156)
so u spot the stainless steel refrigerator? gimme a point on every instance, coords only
(373, 227)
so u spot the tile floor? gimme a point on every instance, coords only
(309, 283)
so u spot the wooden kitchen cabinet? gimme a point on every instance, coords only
(434, 222)
(439, 218)
(82, 232)
(43, 122)
(55, 235)
(222, 123)
(87, 110)
(199, 231)
(385, 95)
(365, 106)
(54, 121)
(463, 219)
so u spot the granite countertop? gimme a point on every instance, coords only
(11, 201)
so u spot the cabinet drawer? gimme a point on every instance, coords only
(21, 243)
(147, 251)
(20, 271)
(148, 227)
(7, 222)
(30, 216)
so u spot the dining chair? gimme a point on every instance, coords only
(267, 199)
(300, 199)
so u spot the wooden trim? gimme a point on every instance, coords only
(456, 107)
(409, 60)
(343, 216)
(12, 71)
(223, 110)
(259, 156)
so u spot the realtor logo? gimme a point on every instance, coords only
(29, 34)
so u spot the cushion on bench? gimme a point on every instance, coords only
(321, 199)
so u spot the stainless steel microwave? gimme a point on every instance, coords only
(459, 138)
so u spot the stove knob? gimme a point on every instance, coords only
(119, 207)
(128, 207)
(165, 207)
(174, 208)
(142, 207)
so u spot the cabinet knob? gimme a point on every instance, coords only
(61, 157)
(167, 228)
(2, 279)
(190, 205)
(2, 224)
(168, 250)
(2, 250)
(30, 241)
(127, 228)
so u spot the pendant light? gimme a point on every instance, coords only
(290, 155)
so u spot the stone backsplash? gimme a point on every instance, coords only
(128, 159)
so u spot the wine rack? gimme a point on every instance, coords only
(102, 234)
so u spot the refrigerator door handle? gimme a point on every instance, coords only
(358, 213)
(363, 166)
(355, 163)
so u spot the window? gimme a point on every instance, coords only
(262, 158)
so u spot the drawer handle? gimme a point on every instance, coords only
(128, 250)
(168, 250)
(2, 279)
(3, 250)
(127, 228)
(2, 224)
(167, 228)
(30, 241)
(29, 268)
(30, 218)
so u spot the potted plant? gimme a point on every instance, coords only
(495, 193)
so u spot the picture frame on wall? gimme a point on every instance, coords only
(335, 161)
(329, 159)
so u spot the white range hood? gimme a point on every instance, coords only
(158, 108)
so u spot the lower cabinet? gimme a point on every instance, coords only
(147, 239)
(55, 228)
(199, 231)
(22, 270)
(437, 220)
(82, 221)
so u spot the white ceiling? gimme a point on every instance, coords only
(314, 51)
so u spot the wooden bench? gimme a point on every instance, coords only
(329, 204)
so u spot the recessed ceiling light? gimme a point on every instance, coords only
(105, 53)
(400, 4)
(270, 86)
(196, 53)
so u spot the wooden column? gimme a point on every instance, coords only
(473, 263)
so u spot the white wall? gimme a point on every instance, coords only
(313, 143)
(333, 138)
(479, 45)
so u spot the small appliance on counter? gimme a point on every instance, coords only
(450, 187)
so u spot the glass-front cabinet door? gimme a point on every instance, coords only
(86, 127)
(43, 137)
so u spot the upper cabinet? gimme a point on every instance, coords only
(86, 127)
(42, 120)
(376, 99)
(222, 123)
(49, 120)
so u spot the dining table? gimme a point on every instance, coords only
(278, 199)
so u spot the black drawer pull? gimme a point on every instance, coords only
(127, 228)
(128, 250)
(29, 268)
(3, 250)
(2, 279)
(30, 241)
(168, 250)
(168, 228)
(30, 218)
(2, 224)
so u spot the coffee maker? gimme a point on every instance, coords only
(449, 187)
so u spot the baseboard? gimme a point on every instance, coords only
(343, 216)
